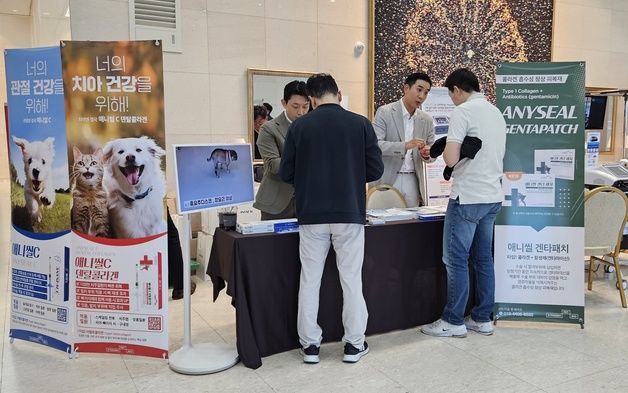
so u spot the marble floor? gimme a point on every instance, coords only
(519, 357)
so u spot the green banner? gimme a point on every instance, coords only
(539, 234)
(544, 110)
(540, 312)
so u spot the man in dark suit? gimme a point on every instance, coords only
(329, 155)
(275, 197)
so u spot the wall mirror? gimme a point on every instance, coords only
(266, 86)
(600, 115)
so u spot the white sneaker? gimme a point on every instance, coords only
(484, 328)
(442, 328)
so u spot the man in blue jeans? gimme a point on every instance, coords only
(475, 200)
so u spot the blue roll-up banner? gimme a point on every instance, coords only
(40, 198)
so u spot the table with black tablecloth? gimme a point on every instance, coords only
(404, 284)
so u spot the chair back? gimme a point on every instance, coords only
(384, 196)
(605, 215)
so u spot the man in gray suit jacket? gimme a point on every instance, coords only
(405, 134)
(275, 198)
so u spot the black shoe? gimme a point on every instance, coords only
(353, 354)
(310, 354)
(178, 293)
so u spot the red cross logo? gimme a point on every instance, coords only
(146, 263)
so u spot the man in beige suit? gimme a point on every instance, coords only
(405, 134)
(275, 198)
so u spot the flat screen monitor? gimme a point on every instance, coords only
(212, 175)
(594, 112)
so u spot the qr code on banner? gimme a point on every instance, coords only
(62, 314)
(154, 323)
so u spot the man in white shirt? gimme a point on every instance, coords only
(475, 200)
(404, 133)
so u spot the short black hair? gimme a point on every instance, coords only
(415, 76)
(268, 107)
(294, 88)
(464, 79)
(319, 85)
(259, 111)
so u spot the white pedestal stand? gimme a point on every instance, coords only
(203, 358)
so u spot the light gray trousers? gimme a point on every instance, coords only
(348, 242)
(408, 185)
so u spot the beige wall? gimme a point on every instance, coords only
(206, 84)
(596, 31)
(18, 31)
(15, 32)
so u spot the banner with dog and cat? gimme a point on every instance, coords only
(89, 236)
(116, 138)
(41, 301)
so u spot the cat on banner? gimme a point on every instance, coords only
(116, 140)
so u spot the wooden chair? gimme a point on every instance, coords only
(384, 196)
(605, 215)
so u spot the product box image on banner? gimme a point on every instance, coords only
(41, 290)
(528, 190)
(121, 296)
(559, 163)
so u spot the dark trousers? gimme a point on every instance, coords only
(175, 256)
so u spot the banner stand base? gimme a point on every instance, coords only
(204, 358)
(530, 320)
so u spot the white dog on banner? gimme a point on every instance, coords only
(38, 186)
(135, 187)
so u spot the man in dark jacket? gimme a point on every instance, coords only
(329, 155)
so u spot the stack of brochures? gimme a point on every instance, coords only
(380, 216)
(430, 212)
(277, 226)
